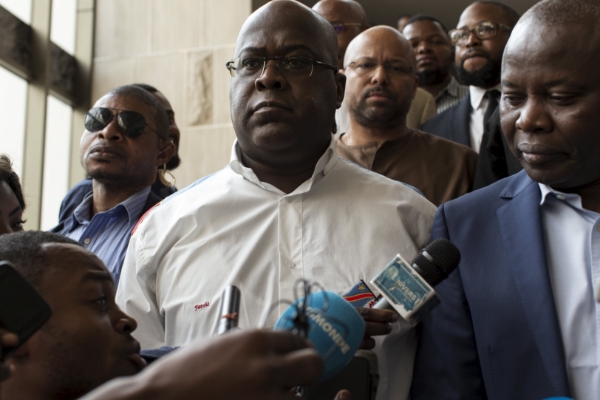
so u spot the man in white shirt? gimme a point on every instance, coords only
(285, 208)
(481, 35)
(518, 318)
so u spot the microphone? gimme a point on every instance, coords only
(335, 328)
(409, 289)
(230, 309)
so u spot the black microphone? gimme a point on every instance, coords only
(230, 309)
(408, 288)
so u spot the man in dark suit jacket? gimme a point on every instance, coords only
(126, 139)
(481, 35)
(518, 319)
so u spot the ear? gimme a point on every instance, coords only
(166, 150)
(340, 81)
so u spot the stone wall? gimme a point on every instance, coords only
(180, 47)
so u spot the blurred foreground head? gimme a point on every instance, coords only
(87, 341)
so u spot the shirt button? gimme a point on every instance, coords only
(291, 264)
(86, 241)
(560, 197)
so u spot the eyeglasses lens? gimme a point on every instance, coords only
(132, 123)
(339, 28)
(485, 30)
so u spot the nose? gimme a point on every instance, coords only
(112, 131)
(533, 117)
(423, 47)
(380, 76)
(472, 40)
(5, 227)
(125, 324)
(271, 77)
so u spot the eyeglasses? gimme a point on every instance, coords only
(341, 28)
(297, 66)
(132, 123)
(483, 30)
(368, 67)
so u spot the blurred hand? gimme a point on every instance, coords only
(7, 339)
(343, 395)
(378, 323)
(244, 365)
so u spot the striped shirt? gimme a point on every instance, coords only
(107, 233)
(450, 95)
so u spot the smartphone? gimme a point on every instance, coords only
(22, 310)
(355, 377)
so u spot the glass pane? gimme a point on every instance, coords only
(57, 154)
(64, 22)
(13, 101)
(19, 8)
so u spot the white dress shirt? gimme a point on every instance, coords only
(572, 238)
(478, 106)
(342, 225)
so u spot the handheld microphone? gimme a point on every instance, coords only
(409, 289)
(230, 309)
(335, 328)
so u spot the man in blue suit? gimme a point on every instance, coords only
(518, 319)
(482, 32)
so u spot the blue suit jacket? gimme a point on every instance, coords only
(453, 123)
(496, 333)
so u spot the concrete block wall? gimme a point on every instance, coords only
(180, 47)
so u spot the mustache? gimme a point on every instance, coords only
(378, 89)
(472, 53)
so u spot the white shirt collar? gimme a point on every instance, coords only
(324, 165)
(571, 198)
(477, 93)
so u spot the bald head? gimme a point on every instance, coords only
(293, 15)
(347, 9)
(552, 89)
(286, 88)
(395, 44)
(381, 81)
(347, 17)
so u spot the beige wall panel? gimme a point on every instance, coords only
(166, 73)
(200, 88)
(177, 24)
(121, 27)
(223, 20)
(110, 74)
(203, 151)
(222, 83)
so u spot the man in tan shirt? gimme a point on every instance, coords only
(381, 82)
(348, 18)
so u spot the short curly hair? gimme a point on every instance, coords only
(8, 175)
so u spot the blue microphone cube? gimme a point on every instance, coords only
(335, 328)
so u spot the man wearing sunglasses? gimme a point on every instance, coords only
(285, 208)
(125, 141)
(348, 18)
(160, 187)
(479, 40)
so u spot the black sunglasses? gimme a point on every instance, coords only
(132, 123)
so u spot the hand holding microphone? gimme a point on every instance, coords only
(408, 289)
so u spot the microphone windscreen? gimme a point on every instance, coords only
(335, 328)
(436, 261)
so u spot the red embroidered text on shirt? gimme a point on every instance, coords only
(201, 306)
